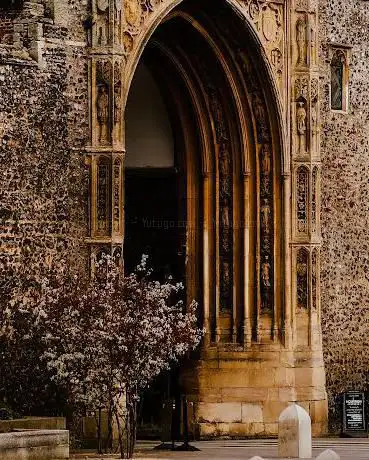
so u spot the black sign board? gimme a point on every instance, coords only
(354, 412)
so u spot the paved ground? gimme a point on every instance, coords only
(348, 449)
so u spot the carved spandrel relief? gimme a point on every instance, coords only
(133, 17)
(103, 101)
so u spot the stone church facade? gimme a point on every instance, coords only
(268, 109)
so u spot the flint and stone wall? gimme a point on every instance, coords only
(345, 208)
(43, 188)
(43, 122)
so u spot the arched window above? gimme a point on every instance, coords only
(339, 80)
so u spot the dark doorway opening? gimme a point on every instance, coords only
(155, 225)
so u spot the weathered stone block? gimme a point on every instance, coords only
(294, 437)
(35, 445)
(252, 413)
(219, 412)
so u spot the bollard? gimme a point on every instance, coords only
(294, 433)
(328, 455)
(256, 458)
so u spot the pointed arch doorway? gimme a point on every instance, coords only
(225, 164)
(223, 188)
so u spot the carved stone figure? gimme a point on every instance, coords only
(118, 21)
(265, 160)
(265, 273)
(224, 217)
(301, 126)
(102, 22)
(265, 216)
(132, 12)
(261, 118)
(225, 283)
(224, 162)
(102, 104)
(301, 41)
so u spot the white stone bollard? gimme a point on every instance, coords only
(294, 433)
(328, 455)
(256, 458)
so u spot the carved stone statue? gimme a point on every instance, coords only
(224, 217)
(102, 22)
(301, 126)
(265, 216)
(102, 104)
(265, 273)
(265, 160)
(301, 41)
(261, 118)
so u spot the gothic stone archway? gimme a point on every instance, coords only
(258, 248)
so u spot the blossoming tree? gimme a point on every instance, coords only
(105, 339)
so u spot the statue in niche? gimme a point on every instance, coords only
(265, 160)
(301, 41)
(117, 21)
(265, 273)
(265, 216)
(224, 162)
(103, 113)
(261, 118)
(102, 22)
(102, 39)
(224, 217)
(266, 284)
(301, 126)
